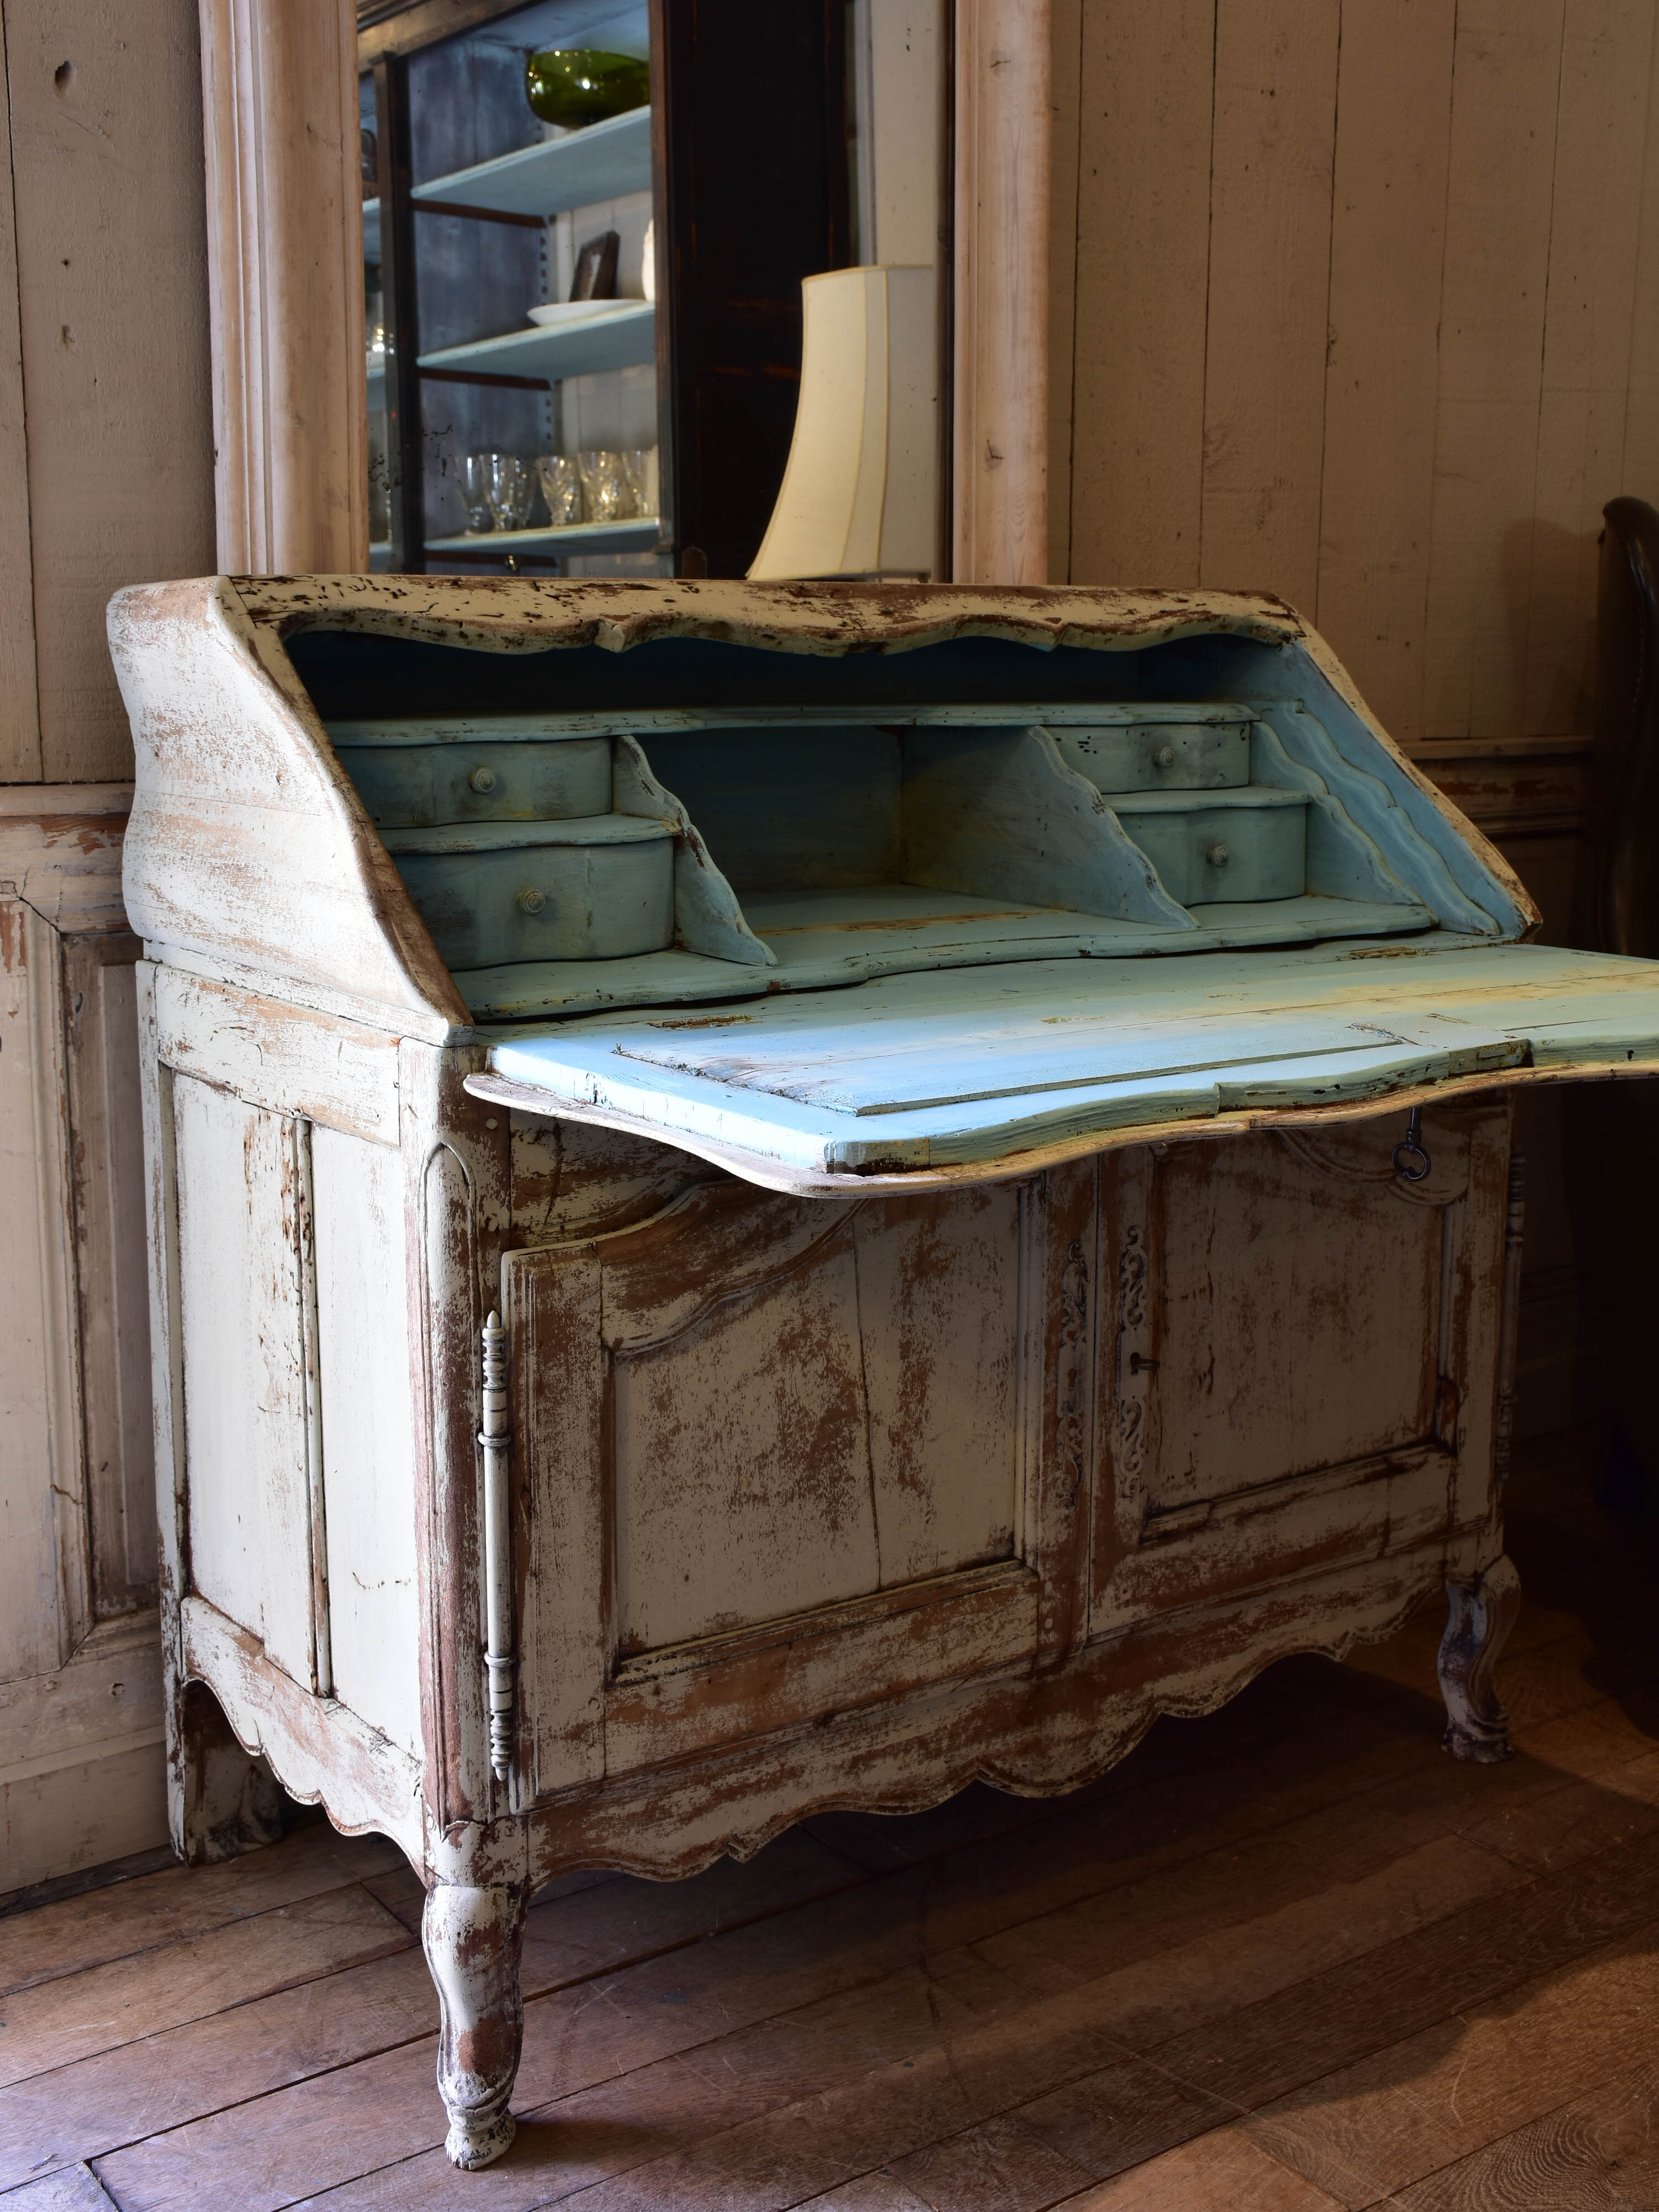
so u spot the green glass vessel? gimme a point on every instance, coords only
(573, 85)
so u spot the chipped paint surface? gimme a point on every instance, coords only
(843, 1495)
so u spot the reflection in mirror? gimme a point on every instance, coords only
(585, 226)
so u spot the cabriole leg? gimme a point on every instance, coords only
(1482, 1613)
(473, 1940)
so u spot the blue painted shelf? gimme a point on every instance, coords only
(626, 339)
(601, 162)
(638, 534)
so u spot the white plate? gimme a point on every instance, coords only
(579, 311)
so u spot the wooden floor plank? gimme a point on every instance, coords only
(996, 2051)
(1416, 2106)
(1399, 1989)
(1285, 1956)
(1120, 2115)
(1303, 1875)
(871, 2192)
(75, 2189)
(1598, 2154)
(106, 2102)
(1562, 1827)
(1219, 2173)
(888, 1905)
(997, 2167)
(145, 2088)
(180, 1902)
(53, 2023)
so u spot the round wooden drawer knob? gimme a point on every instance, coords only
(1164, 757)
(483, 780)
(1217, 855)
(532, 901)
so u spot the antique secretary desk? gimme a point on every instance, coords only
(770, 1198)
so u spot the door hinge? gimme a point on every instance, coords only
(495, 1436)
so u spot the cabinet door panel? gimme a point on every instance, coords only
(243, 1351)
(776, 1456)
(1285, 1358)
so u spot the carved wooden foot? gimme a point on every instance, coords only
(473, 1940)
(1482, 1613)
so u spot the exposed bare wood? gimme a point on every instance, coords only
(1003, 129)
(286, 292)
(1142, 262)
(104, 159)
(1266, 339)
(771, 1501)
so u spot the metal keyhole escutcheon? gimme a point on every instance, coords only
(1411, 1160)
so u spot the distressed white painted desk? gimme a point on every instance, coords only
(984, 1117)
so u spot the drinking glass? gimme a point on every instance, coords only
(562, 488)
(605, 485)
(475, 491)
(640, 468)
(511, 490)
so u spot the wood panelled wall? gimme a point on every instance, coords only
(1357, 300)
(106, 478)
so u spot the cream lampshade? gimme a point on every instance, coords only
(860, 492)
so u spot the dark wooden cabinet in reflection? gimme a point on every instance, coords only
(723, 195)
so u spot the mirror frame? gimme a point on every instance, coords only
(279, 93)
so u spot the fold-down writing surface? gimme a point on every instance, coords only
(919, 1071)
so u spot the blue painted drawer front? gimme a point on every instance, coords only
(597, 889)
(1240, 846)
(416, 786)
(1153, 754)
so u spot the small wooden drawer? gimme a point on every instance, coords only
(1246, 846)
(596, 889)
(416, 787)
(1211, 754)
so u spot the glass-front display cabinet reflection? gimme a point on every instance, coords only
(586, 223)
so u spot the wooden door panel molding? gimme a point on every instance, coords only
(1366, 1155)
(905, 1407)
(285, 285)
(717, 1243)
(891, 1644)
(1205, 1487)
(550, 1303)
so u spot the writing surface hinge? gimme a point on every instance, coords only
(496, 1436)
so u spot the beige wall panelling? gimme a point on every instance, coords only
(80, 1772)
(1641, 466)
(44, 1595)
(1270, 253)
(1066, 106)
(1004, 72)
(285, 238)
(1601, 131)
(106, 167)
(1387, 235)
(1506, 87)
(100, 1020)
(19, 716)
(1142, 274)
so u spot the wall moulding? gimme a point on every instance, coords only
(279, 92)
(1003, 132)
